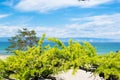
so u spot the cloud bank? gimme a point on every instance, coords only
(100, 26)
(49, 5)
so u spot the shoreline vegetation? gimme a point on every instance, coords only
(41, 62)
(59, 62)
(68, 75)
(79, 75)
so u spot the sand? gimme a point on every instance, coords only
(3, 56)
(80, 75)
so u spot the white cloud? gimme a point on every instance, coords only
(4, 15)
(7, 31)
(102, 26)
(48, 5)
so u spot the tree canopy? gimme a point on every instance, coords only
(23, 39)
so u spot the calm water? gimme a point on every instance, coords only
(102, 47)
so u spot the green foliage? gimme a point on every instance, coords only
(2, 69)
(23, 39)
(109, 65)
(59, 43)
(43, 61)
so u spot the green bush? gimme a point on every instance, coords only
(43, 61)
(109, 65)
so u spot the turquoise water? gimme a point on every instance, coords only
(3, 46)
(101, 47)
(106, 47)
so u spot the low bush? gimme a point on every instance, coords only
(43, 61)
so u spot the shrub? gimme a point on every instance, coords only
(43, 61)
(109, 66)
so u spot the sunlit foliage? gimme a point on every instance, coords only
(43, 61)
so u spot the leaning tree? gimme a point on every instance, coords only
(23, 39)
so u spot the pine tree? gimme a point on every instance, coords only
(23, 39)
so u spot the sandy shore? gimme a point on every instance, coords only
(80, 75)
(3, 56)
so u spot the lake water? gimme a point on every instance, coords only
(101, 47)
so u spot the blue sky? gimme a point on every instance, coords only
(62, 19)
